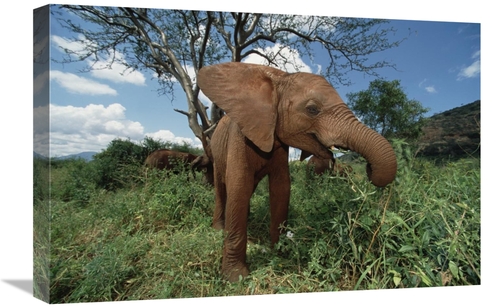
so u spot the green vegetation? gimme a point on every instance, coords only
(151, 238)
(41, 229)
(385, 108)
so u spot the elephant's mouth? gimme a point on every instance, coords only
(320, 148)
(324, 150)
(338, 147)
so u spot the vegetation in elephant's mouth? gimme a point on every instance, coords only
(152, 238)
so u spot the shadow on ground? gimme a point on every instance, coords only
(22, 284)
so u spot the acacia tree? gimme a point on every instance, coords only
(175, 44)
(385, 108)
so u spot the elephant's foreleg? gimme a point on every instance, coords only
(240, 189)
(279, 196)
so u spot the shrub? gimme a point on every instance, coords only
(74, 180)
(119, 164)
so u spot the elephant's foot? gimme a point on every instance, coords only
(232, 273)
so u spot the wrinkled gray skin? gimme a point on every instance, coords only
(268, 110)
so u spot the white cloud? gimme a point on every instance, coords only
(204, 99)
(190, 71)
(289, 60)
(113, 70)
(66, 144)
(41, 137)
(89, 128)
(109, 68)
(294, 154)
(80, 85)
(473, 70)
(41, 116)
(431, 89)
(40, 44)
(428, 89)
(166, 135)
(40, 81)
(63, 44)
(470, 71)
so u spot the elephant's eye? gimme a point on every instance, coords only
(312, 110)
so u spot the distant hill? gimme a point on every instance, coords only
(38, 156)
(453, 133)
(85, 155)
(88, 156)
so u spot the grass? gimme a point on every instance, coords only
(153, 240)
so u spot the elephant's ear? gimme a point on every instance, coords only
(246, 92)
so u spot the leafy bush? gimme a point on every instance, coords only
(119, 164)
(150, 145)
(74, 180)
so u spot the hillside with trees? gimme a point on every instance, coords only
(453, 133)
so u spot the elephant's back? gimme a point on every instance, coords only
(158, 159)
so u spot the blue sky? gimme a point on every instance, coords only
(438, 64)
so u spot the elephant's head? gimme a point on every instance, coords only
(301, 110)
(204, 164)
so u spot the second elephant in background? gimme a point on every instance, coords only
(176, 161)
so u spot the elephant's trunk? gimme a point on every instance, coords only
(382, 165)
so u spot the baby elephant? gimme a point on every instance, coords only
(268, 111)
